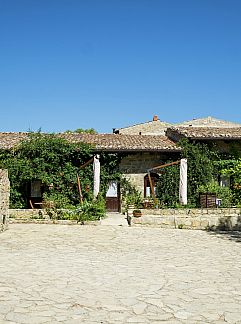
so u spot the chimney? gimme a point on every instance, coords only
(155, 118)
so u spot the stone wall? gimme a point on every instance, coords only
(27, 214)
(213, 218)
(40, 216)
(232, 146)
(135, 166)
(4, 199)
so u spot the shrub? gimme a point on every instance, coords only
(201, 170)
(223, 193)
(90, 210)
(130, 195)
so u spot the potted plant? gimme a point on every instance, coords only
(137, 213)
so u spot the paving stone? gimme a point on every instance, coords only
(156, 302)
(137, 319)
(233, 317)
(183, 315)
(139, 308)
(112, 274)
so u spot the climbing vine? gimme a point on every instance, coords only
(232, 168)
(201, 170)
(55, 162)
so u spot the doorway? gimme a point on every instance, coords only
(113, 197)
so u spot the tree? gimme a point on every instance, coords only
(82, 130)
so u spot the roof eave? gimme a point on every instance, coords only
(135, 150)
(216, 138)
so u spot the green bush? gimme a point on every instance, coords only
(201, 170)
(130, 195)
(90, 210)
(55, 162)
(57, 200)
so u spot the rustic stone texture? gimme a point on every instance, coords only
(4, 199)
(135, 166)
(118, 275)
(27, 214)
(40, 216)
(213, 218)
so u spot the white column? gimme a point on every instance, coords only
(183, 182)
(96, 168)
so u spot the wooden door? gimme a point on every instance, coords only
(113, 197)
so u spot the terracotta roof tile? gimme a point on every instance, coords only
(10, 140)
(106, 142)
(208, 122)
(121, 142)
(233, 133)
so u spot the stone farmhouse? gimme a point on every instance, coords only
(144, 146)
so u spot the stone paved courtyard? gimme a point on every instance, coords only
(113, 274)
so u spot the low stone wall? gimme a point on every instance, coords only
(27, 214)
(4, 199)
(213, 218)
(51, 221)
(39, 216)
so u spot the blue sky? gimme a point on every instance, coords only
(67, 64)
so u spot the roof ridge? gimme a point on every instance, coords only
(209, 119)
(147, 122)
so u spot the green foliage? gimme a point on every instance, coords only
(90, 210)
(110, 171)
(55, 162)
(56, 200)
(201, 167)
(130, 195)
(47, 158)
(223, 193)
(82, 130)
(168, 187)
(201, 170)
(232, 169)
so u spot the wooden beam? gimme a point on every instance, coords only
(80, 191)
(164, 165)
(87, 163)
(149, 176)
(152, 189)
(31, 204)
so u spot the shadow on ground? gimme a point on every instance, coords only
(227, 229)
(228, 235)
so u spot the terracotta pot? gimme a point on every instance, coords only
(137, 214)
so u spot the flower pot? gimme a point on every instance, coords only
(137, 214)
